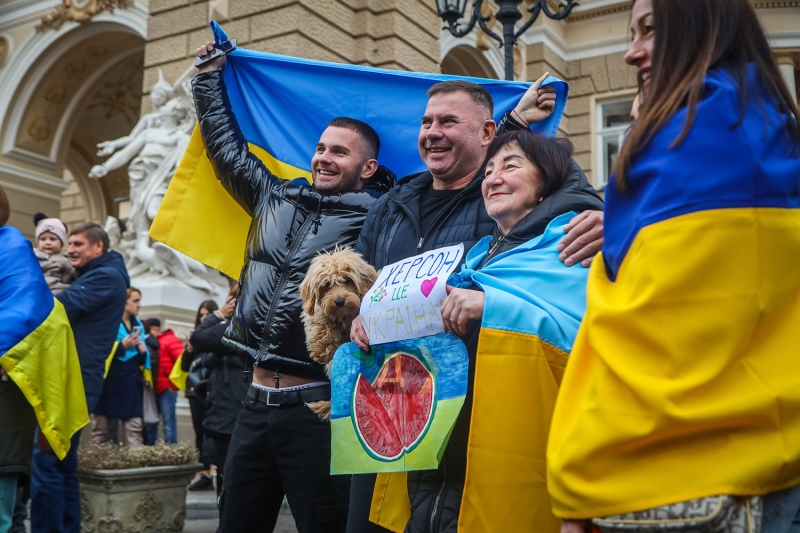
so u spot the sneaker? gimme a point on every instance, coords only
(204, 483)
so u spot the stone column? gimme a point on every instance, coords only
(786, 63)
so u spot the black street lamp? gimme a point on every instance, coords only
(451, 11)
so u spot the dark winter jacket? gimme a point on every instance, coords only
(17, 424)
(94, 305)
(228, 379)
(291, 224)
(465, 220)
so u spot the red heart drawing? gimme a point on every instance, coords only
(427, 286)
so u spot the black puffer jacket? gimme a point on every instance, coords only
(291, 224)
(228, 379)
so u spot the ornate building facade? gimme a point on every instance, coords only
(75, 73)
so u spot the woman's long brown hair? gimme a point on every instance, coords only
(691, 38)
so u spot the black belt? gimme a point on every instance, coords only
(276, 398)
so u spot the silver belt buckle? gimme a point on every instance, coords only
(269, 393)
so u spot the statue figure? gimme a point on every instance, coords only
(152, 152)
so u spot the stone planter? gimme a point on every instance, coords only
(135, 500)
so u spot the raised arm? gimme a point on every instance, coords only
(242, 174)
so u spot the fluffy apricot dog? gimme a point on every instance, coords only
(331, 294)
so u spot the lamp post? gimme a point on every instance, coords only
(451, 11)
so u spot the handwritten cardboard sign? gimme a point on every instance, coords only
(405, 301)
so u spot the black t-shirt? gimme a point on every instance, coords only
(431, 204)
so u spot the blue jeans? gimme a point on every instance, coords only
(150, 434)
(8, 496)
(55, 493)
(166, 404)
(782, 511)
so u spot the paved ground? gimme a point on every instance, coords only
(201, 514)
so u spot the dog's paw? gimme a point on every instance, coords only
(322, 408)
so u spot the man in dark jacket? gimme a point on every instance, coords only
(278, 445)
(444, 207)
(94, 305)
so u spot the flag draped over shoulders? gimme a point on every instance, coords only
(532, 311)
(282, 105)
(37, 347)
(683, 380)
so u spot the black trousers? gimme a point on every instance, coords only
(219, 453)
(277, 451)
(198, 408)
(361, 489)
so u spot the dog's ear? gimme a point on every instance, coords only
(307, 296)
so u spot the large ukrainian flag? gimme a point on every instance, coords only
(37, 348)
(684, 381)
(282, 105)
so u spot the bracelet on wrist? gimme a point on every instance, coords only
(519, 117)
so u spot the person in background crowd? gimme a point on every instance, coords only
(151, 430)
(17, 419)
(193, 361)
(51, 236)
(681, 399)
(93, 304)
(170, 349)
(443, 207)
(228, 382)
(122, 391)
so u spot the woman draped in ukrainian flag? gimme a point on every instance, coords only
(684, 384)
(518, 309)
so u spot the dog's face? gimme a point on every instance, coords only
(335, 284)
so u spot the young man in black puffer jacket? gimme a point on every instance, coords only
(278, 445)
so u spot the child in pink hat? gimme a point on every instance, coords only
(51, 236)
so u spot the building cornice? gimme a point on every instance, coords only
(600, 8)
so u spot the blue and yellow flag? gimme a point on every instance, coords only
(37, 347)
(683, 381)
(177, 375)
(282, 105)
(532, 311)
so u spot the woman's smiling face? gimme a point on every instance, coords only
(510, 188)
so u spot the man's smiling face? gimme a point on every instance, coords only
(339, 161)
(452, 137)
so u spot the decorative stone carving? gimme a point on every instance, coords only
(4, 48)
(80, 11)
(152, 152)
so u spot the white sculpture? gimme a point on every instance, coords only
(152, 152)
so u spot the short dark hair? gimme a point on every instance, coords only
(5, 208)
(479, 95)
(552, 157)
(154, 322)
(93, 231)
(366, 132)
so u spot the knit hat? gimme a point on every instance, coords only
(54, 226)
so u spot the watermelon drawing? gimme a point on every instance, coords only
(392, 414)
